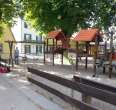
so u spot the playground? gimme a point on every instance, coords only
(57, 55)
(84, 58)
(85, 51)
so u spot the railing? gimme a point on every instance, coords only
(87, 88)
(95, 84)
(84, 89)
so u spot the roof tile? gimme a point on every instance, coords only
(86, 35)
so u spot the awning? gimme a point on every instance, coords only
(87, 35)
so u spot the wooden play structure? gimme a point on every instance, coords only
(56, 43)
(108, 58)
(87, 39)
(88, 44)
(86, 36)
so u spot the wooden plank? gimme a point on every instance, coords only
(79, 104)
(95, 84)
(89, 90)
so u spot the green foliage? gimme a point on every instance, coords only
(69, 15)
(9, 9)
(0, 30)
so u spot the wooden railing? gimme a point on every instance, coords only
(95, 84)
(103, 93)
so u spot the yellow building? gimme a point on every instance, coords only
(6, 36)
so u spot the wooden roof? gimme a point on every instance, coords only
(87, 35)
(58, 35)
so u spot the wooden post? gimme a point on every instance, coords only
(105, 55)
(56, 43)
(53, 52)
(111, 52)
(77, 52)
(95, 54)
(86, 59)
(47, 46)
(10, 48)
(44, 52)
(62, 55)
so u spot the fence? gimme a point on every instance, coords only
(100, 91)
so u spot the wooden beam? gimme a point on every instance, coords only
(89, 90)
(74, 102)
(95, 84)
(53, 52)
(44, 53)
(110, 57)
(86, 57)
(47, 45)
(11, 56)
(77, 52)
(95, 54)
(62, 53)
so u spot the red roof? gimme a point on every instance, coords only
(86, 35)
(56, 35)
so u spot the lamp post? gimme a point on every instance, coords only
(112, 31)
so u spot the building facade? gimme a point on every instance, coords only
(7, 35)
(23, 32)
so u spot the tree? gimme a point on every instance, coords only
(9, 9)
(69, 15)
(103, 13)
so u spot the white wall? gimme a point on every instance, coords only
(19, 30)
(16, 29)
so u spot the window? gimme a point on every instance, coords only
(38, 49)
(38, 39)
(27, 37)
(27, 49)
(25, 25)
